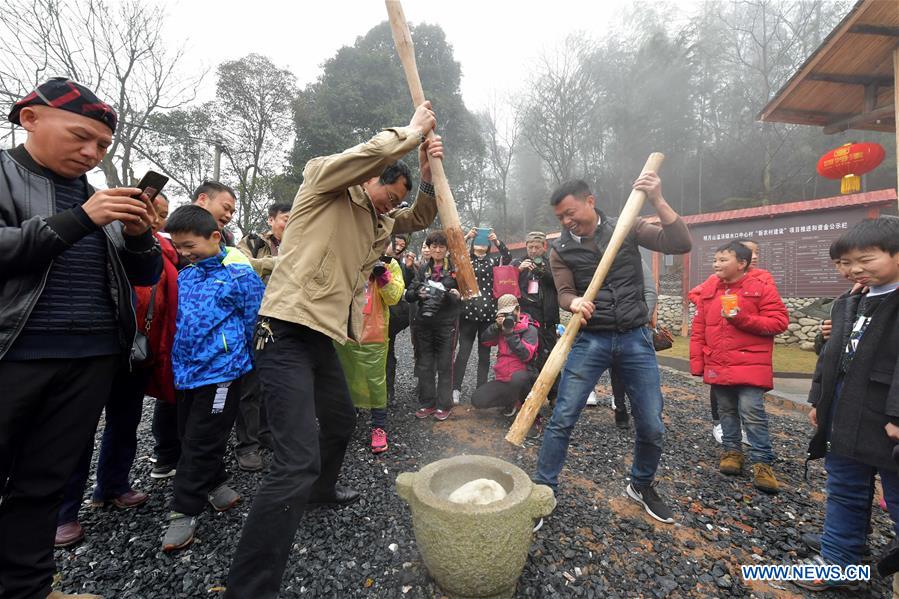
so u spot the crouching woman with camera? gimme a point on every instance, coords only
(517, 339)
(436, 293)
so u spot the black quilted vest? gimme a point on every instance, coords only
(619, 303)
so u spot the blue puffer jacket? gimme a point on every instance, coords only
(218, 301)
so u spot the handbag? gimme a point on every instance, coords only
(140, 349)
(505, 281)
(662, 338)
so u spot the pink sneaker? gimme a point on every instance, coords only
(378, 440)
(424, 412)
(442, 414)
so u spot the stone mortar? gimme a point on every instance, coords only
(474, 550)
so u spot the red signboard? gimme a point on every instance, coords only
(794, 249)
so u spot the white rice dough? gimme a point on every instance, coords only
(480, 491)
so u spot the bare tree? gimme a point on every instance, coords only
(255, 123)
(561, 108)
(501, 132)
(116, 50)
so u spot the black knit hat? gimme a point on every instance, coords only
(64, 94)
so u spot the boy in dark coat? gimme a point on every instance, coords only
(856, 396)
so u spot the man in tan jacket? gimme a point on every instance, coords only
(341, 220)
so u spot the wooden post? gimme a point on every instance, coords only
(446, 205)
(685, 297)
(896, 113)
(556, 359)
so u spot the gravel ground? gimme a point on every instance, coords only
(597, 543)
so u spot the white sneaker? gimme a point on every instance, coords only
(457, 397)
(718, 433)
(592, 400)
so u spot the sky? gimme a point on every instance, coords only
(494, 41)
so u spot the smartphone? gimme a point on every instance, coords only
(482, 237)
(151, 184)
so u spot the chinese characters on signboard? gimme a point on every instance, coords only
(793, 248)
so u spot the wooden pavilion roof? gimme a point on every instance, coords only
(847, 83)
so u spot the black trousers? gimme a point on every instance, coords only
(118, 447)
(391, 367)
(435, 359)
(205, 417)
(167, 445)
(312, 420)
(500, 394)
(619, 389)
(251, 427)
(468, 330)
(48, 413)
(713, 400)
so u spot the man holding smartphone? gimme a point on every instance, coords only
(68, 257)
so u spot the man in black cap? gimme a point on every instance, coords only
(68, 257)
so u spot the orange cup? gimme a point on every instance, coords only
(729, 302)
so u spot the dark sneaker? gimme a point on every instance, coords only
(180, 532)
(647, 496)
(622, 419)
(249, 461)
(513, 410)
(442, 415)
(223, 498)
(821, 584)
(423, 413)
(813, 542)
(162, 471)
(68, 534)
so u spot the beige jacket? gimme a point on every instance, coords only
(261, 251)
(334, 236)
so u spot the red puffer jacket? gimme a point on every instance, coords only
(515, 349)
(759, 273)
(738, 351)
(162, 330)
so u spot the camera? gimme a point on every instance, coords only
(378, 269)
(508, 323)
(432, 295)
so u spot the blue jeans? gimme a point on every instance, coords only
(850, 488)
(744, 405)
(594, 352)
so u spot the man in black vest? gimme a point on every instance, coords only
(614, 332)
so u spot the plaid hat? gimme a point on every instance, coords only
(506, 304)
(64, 94)
(535, 236)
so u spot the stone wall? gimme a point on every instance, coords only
(801, 330)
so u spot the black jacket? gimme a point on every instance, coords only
(445, 305)
(869, 396)
(482, 308)
(32, 234)
(542, 306)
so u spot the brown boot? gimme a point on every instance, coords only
(731, 462)
(763, 478)
(59, 595)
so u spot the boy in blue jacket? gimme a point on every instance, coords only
(218, 300)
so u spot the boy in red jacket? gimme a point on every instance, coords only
(737, 317)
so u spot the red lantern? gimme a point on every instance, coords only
(848, 162)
